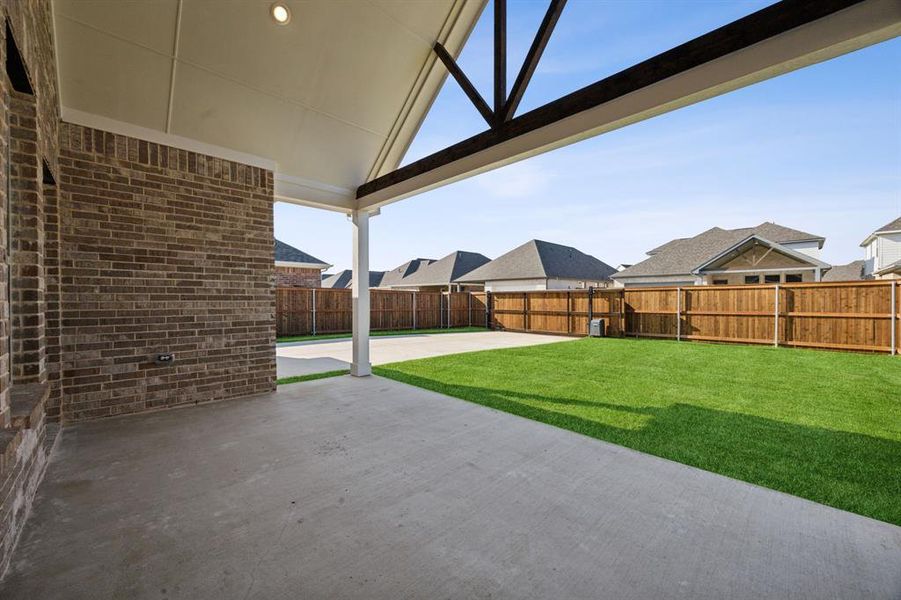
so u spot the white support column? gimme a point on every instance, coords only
(360, 365)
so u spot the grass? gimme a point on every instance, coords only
(821, 425)
(338, 336)
(312, 376)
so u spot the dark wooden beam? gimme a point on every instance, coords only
(500, 58)
(469, 89)
(758, 27)
(531, 62)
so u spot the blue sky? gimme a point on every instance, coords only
(818, 149)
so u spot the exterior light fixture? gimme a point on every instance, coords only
(280, 13)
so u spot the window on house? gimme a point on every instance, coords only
(720, 282)
(771, 279)
(793, 278)
(751, 279)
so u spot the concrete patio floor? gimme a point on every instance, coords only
(318, 356)
(368, 488)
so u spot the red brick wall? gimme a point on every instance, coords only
(161, 250)
(297, 277)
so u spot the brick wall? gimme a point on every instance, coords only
(28, 306)
(25, 438)
(161, 250)
(32, 27)
(297, 277)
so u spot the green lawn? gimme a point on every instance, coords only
(820, 425)
(337, 336)
(312, 376)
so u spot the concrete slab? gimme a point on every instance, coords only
(367, 488)
(303, 358)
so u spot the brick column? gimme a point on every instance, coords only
(28, 304)
(4, 255)
(54, 307)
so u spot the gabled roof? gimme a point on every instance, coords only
(749, 242)
(342, 279)
(397, 274)
(445, 270)
(537, 259)
(890, 227)
(285, 253)
(685, 255)
(853, 271)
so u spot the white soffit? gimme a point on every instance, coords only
(332, 99)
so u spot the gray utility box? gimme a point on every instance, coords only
(596, 328)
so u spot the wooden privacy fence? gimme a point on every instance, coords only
(309, 311)
(859, 316)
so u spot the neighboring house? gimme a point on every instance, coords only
(539, 265)
(296, 268)
(442, 274)
(343, 279)
(853, 271)
(397, 274)
(882, 251)
(768, 253)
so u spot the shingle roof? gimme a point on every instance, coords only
(446, 270)
(287, 253)
(342, 279)
(537, 259)
(853, 271)
(890, 226)
(682, 256)
(395, 275)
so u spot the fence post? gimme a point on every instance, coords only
(314, 311)
(525, 311)
(678, 314)
(569, 312)
(488, 310)
(894, 317)
(776, 319)
(470, 309)
(590, 306)
(414, 308)
(622, 312)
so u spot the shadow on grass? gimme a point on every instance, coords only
(850, 471)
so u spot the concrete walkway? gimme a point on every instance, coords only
(303, 358)
(367, 488)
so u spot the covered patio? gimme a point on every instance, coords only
(368, 488)
(144, 145)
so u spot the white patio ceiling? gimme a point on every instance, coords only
(328, 101)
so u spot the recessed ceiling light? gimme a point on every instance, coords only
(280, 13)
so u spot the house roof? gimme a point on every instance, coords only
(446, 270)
(537, 259)
(853, 271)
(397, 274)
(342, 279)
(749, 242)
(285, 253)
(891, 226)
(685, 255)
